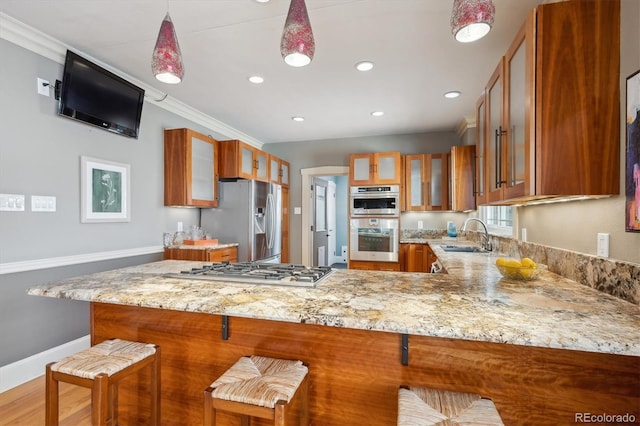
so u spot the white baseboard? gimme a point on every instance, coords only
(19, 372)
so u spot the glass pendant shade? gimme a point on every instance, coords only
(471, 19)
(297, 45)
(166, 62)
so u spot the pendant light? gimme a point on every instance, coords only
(297, 45)
(471, 19)
(166, 62)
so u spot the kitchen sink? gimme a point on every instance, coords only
(461, 249)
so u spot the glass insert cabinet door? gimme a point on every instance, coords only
(202, 179)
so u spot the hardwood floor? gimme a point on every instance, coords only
(24, 405)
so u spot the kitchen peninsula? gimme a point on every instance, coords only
(542, 350)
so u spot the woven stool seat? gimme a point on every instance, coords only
(107, 357)
(100, 368)
(257, 386)
(423, 407)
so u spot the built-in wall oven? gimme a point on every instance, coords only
(368, 201)
(374, 239)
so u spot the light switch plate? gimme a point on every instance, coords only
(602, 249)
(43, 203)
(11, 202)
(297, 210)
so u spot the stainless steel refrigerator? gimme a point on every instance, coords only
(250, 213)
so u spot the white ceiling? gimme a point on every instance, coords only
(224, 42)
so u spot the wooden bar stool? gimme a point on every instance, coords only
(261, 387)
(99, 368)
(423, 406)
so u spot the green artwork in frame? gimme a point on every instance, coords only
(104, 187)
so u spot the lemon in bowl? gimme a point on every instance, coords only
(524, 269)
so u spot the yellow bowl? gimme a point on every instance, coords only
(520, 273)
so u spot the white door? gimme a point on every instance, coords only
(332, 254)
(320, 230)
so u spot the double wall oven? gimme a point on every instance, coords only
(374, 224)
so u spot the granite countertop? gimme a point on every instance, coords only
(471, 302)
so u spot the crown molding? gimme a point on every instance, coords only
(44, 45)
(465, 124)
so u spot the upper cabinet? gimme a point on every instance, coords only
(479, 158)
(375, 168)
(426, 182)
(461, 175)
(190, 169)
(550, 112)
(241, 160)
(278, 171)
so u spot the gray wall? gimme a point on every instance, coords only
(335, 152)
(40, 155)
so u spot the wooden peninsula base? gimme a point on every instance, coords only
(355, 374)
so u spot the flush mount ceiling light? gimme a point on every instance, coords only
(166, 62)
(377, 113)
(452, 94)
(471, 19)
(298, 119)
(297, 45)
(364, 66)
(256, 79)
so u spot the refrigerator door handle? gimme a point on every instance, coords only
(269, 224)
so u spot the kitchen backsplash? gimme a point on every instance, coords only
(615, 277)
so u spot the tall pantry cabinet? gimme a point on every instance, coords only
(551, 108)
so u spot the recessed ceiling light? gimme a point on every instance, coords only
(452, 94)
(262, 1)
(297, 118)
(364, 66)
(256, 79)
(377, 113)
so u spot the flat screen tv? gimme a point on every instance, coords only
(94, 95)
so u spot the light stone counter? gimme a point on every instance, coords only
(471, 302)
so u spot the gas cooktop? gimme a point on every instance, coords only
(258, 273)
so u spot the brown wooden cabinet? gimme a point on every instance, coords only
(284, 253)
(379, 168)
(461, 178)
(416, 257)
(426, 182)
(374, 266)
(552, 106)
(479, 187)
(190, 169)
(225, 254)
(278, 171)
(241, 160)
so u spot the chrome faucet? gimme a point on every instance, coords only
(486, 244)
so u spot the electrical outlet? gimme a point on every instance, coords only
(602, 248)
(523, 235)
(420, 224)
(43, 203)
(43, 87)
(11, 203)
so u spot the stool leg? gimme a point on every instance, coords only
(155, 388)
(209, 413)
(280, 413)
(304, 402)
(51, 395)
(245, 420)
(99, 400)
(112, 405)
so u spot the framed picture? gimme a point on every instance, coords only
(104, 191)
(632, 170)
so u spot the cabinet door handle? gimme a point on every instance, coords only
(498, 156)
